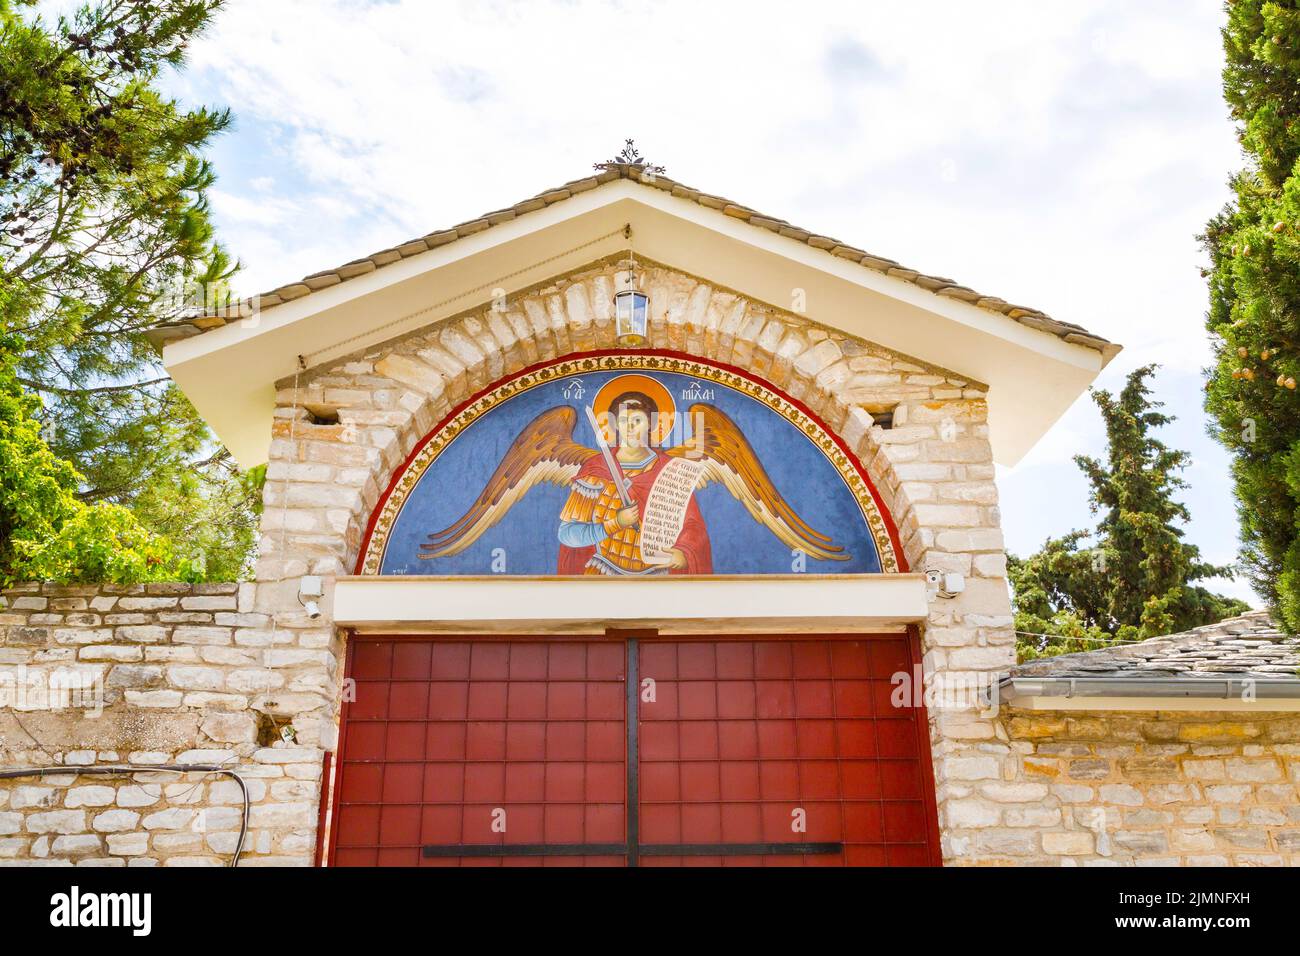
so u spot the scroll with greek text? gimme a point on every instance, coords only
(665, 509)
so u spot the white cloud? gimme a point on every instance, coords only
(262, 211)
(1059, 155)
(432, 113)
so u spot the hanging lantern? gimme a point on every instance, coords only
(631, 308)
(631, 315)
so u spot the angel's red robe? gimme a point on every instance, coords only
(593, 497)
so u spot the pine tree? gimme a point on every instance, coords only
(104, 234)
(46, 532)
(1132, 577)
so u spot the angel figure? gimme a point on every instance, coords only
(599, 525)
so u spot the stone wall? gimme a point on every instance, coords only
(156, 674)
(1122, 789)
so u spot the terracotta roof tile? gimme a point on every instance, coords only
(937, 284)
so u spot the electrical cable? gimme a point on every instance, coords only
(1088, 640)
(105, 769)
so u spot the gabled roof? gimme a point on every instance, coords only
(635, 172)
(1250, 645)
(1034, 367)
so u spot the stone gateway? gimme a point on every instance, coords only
(710, 573)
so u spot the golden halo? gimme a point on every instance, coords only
(663, 399)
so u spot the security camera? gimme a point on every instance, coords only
(945, 584)
(310, 588)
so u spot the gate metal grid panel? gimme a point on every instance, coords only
(443, 734)
(739, 735)
(744, 734)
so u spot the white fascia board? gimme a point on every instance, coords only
(229, 373)
(781, 604)
(1033, 376)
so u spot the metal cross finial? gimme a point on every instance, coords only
(629, 156)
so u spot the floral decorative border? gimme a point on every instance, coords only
(427, 452)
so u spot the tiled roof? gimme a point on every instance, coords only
(636, 173)
(1246, 646)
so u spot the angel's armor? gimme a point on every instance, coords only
(589, 518)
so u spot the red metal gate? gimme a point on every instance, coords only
(743, 751)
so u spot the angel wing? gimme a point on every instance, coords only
(544, 452)
(731, 460)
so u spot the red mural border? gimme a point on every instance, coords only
(885, 514)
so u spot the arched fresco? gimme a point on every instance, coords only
(640, 463)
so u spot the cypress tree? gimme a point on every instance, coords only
(1133, 576)
(1254, 315)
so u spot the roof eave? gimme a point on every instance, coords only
(1034, 374)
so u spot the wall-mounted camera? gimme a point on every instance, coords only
(944, 584)
(310, 590)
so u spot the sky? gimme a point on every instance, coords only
(1061, 155)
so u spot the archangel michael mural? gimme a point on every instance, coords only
(580, 470)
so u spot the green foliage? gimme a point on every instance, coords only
(1254, 314)
(46, 532)
(105, 234)
(1054, 591)
(1131, 577)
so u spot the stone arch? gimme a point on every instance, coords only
(340, 435)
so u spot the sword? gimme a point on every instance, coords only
(621, 483)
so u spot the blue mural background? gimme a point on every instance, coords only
(527, 534)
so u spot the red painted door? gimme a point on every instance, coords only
(481, 744)
(776, 746)
(743, 752)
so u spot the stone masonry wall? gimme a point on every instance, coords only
(1110, 788)
(155, 674)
